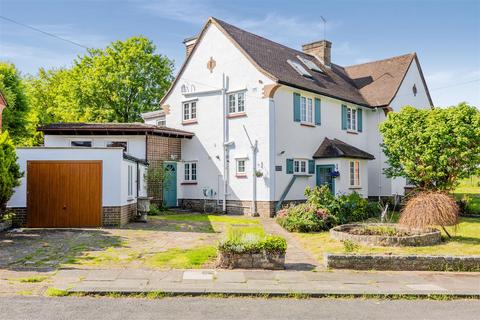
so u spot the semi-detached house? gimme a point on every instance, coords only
(246, 126)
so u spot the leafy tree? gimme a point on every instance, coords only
(9, 171)
(121, 81)
(12, 88)
(432, 148)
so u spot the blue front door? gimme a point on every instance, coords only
(170, 184)
(324, 176)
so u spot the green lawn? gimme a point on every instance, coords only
(465, 241)
(471, 188)
(183, 258)
(212, 218)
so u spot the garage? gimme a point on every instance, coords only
(64, 194)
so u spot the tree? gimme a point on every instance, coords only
(121, 81)
(12, 88)
(432, 148)
(9, 171)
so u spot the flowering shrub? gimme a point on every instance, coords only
(323, 211)
(244, 241)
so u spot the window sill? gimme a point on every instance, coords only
(352, 132)
(303, 174)
(241, 175)
(130, 199)
(188, 122)
(187, 183)
(307, 124)
(236, 115)
(355, 188)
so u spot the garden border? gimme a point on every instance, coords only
(402, 262)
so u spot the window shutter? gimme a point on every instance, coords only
(296, 107)
(344, 117)
(318, 115)
(289, 166)
(311, 166)
(359, 119)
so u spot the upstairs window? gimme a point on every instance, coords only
(162, 121)
(241, 169)
(351, 119)
(354, 173)
(306, 110)
(310, 64)
(189, 111)
(81, 143)
(299, 68)
(236, 102)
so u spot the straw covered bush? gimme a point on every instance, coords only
(429, 209)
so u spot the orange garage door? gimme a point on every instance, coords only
(64, 194)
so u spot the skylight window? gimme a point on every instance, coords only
(310, 64)
(298, 67)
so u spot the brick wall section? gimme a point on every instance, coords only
(160, 149)
(118, 216)
(20, 218)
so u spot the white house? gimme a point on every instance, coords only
(270, 120)
(246, 126)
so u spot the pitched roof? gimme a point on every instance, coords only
(350, 84)
(82, 128)
(338, 149)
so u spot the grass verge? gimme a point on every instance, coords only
(183, 258)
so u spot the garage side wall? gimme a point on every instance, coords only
(116, 211)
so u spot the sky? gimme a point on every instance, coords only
(445, 34)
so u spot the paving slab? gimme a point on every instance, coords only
(230, 277)
(135, 274)
(102, 275)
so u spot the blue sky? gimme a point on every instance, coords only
(445, 34)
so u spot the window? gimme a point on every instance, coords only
(190, 111)
(130, 181)
(79, 143)
(115, 144)
(190, 171)
(351, 119)
(241, 171)
(414, 90)
(300, 166)
(354, 173)
(236, 102)
(306, 110)
(299, 68)
(310, 64)
(162, 121)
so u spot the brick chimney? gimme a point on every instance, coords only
(321, 50)
(189, 44)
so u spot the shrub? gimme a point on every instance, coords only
(306, 218)
(428, 209)
(241, 241)
(352, 207)
(9, 171)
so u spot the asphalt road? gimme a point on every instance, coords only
(39, 308)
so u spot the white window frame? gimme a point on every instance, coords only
(130, 181)
(81, 140)
(240, 172)
(189, 111)
(236, 102)
(190, 171)
(162, 120)
(112, 141)
(306, 110)
(354, 173)
(300, 166)
(352, 119)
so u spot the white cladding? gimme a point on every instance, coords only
(270, 122)
(114, 172)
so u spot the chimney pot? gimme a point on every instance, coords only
(321, 50)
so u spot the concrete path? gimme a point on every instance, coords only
(296, 257)
(271, 282)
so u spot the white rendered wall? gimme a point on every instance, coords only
(112, 176)
(297, 141)
(206, 146)
(135, 143)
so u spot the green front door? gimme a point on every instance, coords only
(170, 184)
(324, 176)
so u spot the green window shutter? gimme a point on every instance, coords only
(311, 166)
(290, 166)
(359, 120)
(296, 107)
(344, 117)
(318, 115)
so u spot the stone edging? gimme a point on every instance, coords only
(429, 237)
(402, 262)
(261, 260)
